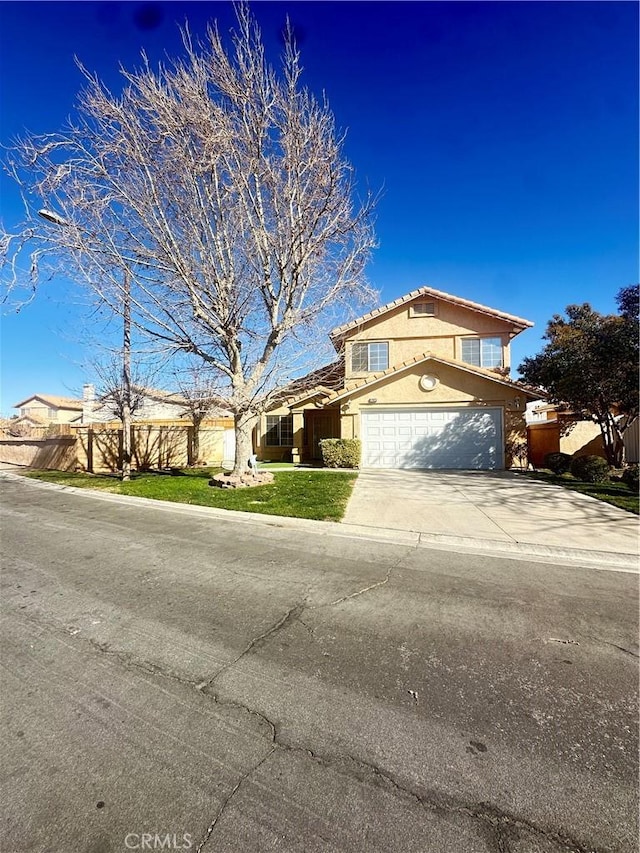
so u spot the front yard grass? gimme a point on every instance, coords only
(612, 492)
(318, 495)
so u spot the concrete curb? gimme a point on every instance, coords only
(622, 562)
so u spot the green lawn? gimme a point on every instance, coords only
(613, 492)
(301, 494)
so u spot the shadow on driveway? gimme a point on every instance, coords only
(494, 505)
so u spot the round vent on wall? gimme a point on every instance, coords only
(428, 382)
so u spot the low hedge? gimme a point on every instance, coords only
(590, 469)
(559, 463)
(341, 452)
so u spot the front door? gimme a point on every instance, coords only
(323, 426)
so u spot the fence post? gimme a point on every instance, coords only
(90, 450)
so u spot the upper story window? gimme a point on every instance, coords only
(370, 357)
(279, 431)
(483, 352)
(423, 309)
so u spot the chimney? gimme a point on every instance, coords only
(88, 402)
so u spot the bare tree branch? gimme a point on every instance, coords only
(218, 188)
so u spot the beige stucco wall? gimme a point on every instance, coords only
(442, 334)
(41, 411)
(455, 387)
(583, 438)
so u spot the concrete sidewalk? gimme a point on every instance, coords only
(500, 507)
(436, 510)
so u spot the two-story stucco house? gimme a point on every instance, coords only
(422, 381)
(44, 409)
(149, 405)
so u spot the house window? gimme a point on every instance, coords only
(370, 357)
(279, 431)
(53, 414)
(483, 352)
(423, 309)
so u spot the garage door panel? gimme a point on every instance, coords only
(443, 438)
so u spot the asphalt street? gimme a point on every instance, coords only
(177, 680)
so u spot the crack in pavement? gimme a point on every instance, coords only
(494, 818)
(616, 646)
(290, 616)
(497, 820)
(228, 799)
(360, 591)
(294, 615)
(145, 666)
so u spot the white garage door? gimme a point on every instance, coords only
(432, 438)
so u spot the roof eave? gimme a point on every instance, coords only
(519, 323)
(533, 394)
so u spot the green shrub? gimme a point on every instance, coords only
(590, 469)
(559, 463)
(630, 476)
(340, 452)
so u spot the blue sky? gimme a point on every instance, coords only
(504, 136)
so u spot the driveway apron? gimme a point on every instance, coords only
(498, 506)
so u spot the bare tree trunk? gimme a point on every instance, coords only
(126, 380)
(195, 439)
(617, 444)
(195, 445)
(612, 440)
(244, 424)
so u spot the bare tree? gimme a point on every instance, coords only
(198, 391)
(217, 187)
(120, 393)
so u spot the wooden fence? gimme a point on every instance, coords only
(98, 448)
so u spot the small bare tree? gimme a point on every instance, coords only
(217, 189)
(120, 391)
(199, 393)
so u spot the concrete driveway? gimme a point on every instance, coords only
(497, 506)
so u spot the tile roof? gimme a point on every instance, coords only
(436, 294)
(484, 372)
(53, 401)
(323, 381)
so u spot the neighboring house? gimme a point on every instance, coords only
(46, 409)
(422, 381)
(554, 429)
(20, 426)
(162, 432)
(149, 405)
